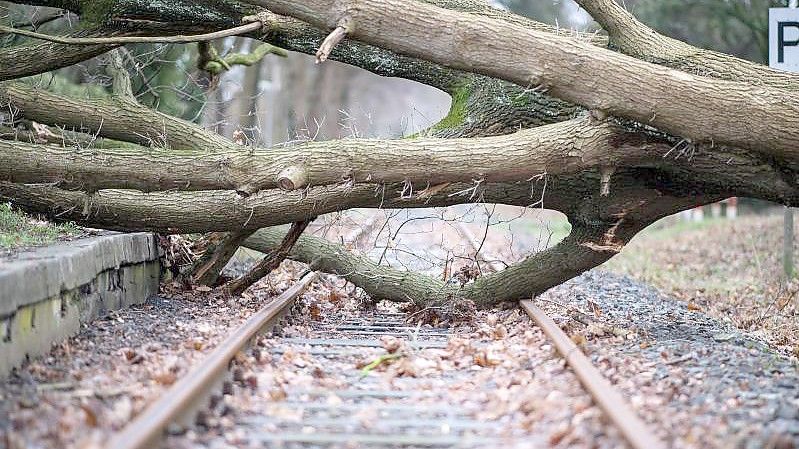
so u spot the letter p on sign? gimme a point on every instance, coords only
(783, 39)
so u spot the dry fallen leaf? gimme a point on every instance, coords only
(335, 296)
(165, 378)
(315, 311)
(278, 394)
(500, 331)
(579, 340)
(485, 359)
(391, 344)
(195, 344)
(90, 414)
(557, 436)
(251, 381)
(203, 288)
(405, 367)
(132, 356)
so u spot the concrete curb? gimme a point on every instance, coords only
(46, 293)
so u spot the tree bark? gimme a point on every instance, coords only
(567, 147)
(698, 108)
(222, 247)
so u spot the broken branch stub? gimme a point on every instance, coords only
(330, 42)
(292, 178)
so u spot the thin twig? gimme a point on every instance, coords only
(121, 40)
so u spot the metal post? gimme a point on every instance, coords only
(787, 244)
(787, 226)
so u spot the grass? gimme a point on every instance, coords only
(20, 230)
(729, 269)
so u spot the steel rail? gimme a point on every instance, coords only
(637, 433)
(187, 394)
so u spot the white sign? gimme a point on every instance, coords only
(783, 39)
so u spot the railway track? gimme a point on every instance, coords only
(189, 394)
(354, 408)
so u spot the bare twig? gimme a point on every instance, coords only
(121, 40)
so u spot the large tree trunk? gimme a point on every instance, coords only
(621, 138)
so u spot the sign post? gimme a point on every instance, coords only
(783, 54)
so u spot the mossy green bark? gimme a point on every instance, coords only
(458, 109)
(220, 65)
(95, 12)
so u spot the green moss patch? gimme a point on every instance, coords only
(457, 111)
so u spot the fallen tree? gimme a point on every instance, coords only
(625, 130)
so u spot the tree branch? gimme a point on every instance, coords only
(269, 263)
(24, 60)
(219, 65)
(222, 246)
(592, 241)
(567, 147)
(109, 118)
(334, 38)
(188, 212)
(122, 40)
(701, 109)
(634, 38)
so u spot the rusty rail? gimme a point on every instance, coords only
(637, 433)
(190, 392)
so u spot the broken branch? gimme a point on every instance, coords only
(270, 262)
(330, 42)
(122, 40)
